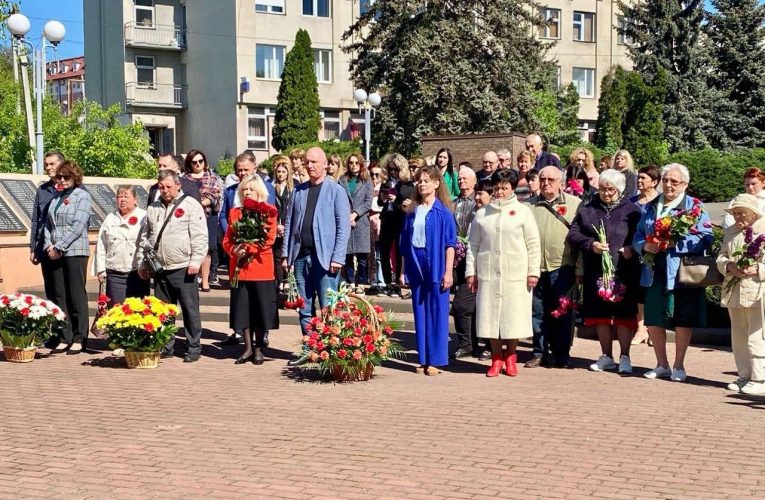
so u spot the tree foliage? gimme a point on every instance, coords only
(737, 35)
(297, 117)
(449, 68)
(568, 104)
(612, 109)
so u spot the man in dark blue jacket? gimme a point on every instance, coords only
(45, 194)
(542, 158)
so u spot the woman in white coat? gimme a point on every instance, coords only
(503, 259)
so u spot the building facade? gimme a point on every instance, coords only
(206, 74)
(66, 82)
(586, 46)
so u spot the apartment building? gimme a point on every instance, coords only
(587, 45)
(66, 82)
(205, 74)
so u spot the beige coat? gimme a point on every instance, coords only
(748, 291)
(503, 251)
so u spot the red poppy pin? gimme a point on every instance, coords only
(133, 220)
(66, 201)
(512, 212)
(561, 209)
(179, 212)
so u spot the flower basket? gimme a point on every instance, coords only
(26, 321)
(142, 359)
(142, 327)
(350, 337)
(19, 355)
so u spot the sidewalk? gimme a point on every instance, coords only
(86, 427)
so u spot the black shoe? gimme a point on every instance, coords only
(231, 340)
(299, 361)
(485, 355)
(59, 349)
(243, 359)
(462, 352)
(166, 354)
(257, 358)
(191, 357)
(373, 290)
(265, 339)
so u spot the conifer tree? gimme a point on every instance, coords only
(297, 119)
(568, 104)
(612, 109)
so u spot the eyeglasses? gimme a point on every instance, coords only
(375, 175)
(672, 182)
(352, 162)
(548, 179)
(64, 177)
(197, 162)
(607, 190)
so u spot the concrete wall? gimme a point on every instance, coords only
(104, 51)
(472, 147)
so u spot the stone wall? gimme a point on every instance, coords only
(472, 147)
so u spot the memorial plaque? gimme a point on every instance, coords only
(104, 198)
(9, 222)
(143, 196)
(95, 220)
(22, 192)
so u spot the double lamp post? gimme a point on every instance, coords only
(53, 33)
(368, 103)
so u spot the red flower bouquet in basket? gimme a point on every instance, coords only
(350, 337)
(252, 228)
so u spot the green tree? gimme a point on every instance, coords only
(612, 110)
(449, 68)
(643, 127)
(546, 112)
(297, 117)
(737, 35)
(667, 35)
(568, 104)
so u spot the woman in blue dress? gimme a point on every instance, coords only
(428, 239)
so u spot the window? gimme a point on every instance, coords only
(331, 125)
(322, 65)
(269, 61)
(270, 6)
(257, 127)
(621, 38)
(551, 29)
(144, 13)
(144, 68)
(584, 26)
(584, 80)
(357, 125)
(559, 80)
(318, 8)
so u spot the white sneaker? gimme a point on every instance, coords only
(737, 385)
(658, 372)
(624, 365)
(678, 375)
(603, 363)
(754, 389)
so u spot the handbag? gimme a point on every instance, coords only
(150, 257)
(699, 271)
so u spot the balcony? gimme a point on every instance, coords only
(156, 95)
(157, 36)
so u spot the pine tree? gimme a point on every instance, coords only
(643, 127)
(737, 35)
(450, 67)
(297, 119)
(667, 35)
(568, 104)
(612, 109)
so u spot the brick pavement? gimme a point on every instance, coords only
(216, 430)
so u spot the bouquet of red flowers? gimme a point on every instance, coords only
(294, 300)
(568, 302)
(252, 228)
(673, 227)
(573, 187)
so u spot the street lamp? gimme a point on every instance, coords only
(53, 33)
(368, 103)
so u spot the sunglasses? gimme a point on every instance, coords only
(376, 175)
(64, 177)
(197, 162)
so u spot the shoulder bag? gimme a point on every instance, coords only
(150, 257)
(699, 271)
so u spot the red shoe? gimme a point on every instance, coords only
(510, 368)
(496, 366)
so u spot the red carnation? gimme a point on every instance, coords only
(342, 353)
(370, 348)
(126, 309)
(133, 220)
(102, 299)
(367, 339)
(347, 341)
(378, 309)
(300, 302)
(148, 327)
(25, 311)
(388, 330)
(561, 209)
(28, 299)
(66, 201)
(162, 318)
(5, 300)
(179, 212)
(147, 312)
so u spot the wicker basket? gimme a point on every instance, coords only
(338, 375)
(142, 359)
(19, 355)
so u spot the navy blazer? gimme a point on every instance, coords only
(228, 203)
(45, 193)
(331, 223)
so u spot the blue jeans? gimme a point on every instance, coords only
(359, 275)
(552, 336)
(312, 280)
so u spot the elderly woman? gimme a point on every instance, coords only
(359, 188)
(610, 211)
(623, 163)
(253, 301)
(66, 245)
(118, 239)
(742, 294)
(525, 162)
(210, 189)
(667, 304)
(502, 267)
(754, 181)
(428, 238)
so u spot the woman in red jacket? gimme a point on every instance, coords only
(253, 301)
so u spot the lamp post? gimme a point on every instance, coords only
(53, 33)
(368, 103)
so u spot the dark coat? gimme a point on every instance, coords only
(45, 193)
(546, 159)
(361, 202)
(620, 225)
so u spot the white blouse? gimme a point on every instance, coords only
(118, 240)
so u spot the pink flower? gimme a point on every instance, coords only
(357, 355)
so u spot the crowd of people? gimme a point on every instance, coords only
(508, 250)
